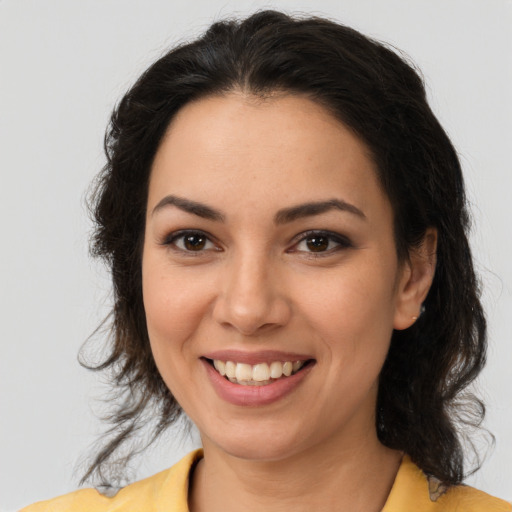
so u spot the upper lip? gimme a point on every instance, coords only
(262, 356)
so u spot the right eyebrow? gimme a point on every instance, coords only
(189, 206)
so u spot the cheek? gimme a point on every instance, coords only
(173, 310)
(351, 300)
(352, 314)
(174, 301)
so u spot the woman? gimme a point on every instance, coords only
(286, 226)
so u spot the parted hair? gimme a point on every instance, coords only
(423, 407)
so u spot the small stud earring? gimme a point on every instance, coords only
(422, 310)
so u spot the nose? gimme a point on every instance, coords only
(251, 298)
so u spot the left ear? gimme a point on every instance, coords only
(415, 281)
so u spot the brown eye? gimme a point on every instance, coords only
(322, 243)
(317, 243)
(194, 242)
(190, 241)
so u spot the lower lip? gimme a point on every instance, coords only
(238, 394)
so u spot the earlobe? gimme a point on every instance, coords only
(415, 281)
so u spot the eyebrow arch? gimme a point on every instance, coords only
(189, 206)
(316, 208)
(282, 216)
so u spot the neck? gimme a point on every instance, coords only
(356, 478)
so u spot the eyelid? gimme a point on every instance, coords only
(170, 239)
(343, 241)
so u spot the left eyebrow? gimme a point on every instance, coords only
(316, 208)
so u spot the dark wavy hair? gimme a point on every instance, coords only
(422, 408)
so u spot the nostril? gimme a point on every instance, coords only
(250, 309)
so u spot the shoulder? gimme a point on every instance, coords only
(413, 490)
(469, 499)
(169, 487)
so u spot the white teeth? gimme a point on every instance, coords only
(258, 374)
(230, 369)
(243, 372)
(276, 370)
(220, 366)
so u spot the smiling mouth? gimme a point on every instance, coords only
(260, 374)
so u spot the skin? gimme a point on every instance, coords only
(256, 285)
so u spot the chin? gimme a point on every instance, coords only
(267, 441)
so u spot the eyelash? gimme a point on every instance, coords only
(171, 240)
(341, 242)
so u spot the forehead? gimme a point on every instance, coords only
(283, 148)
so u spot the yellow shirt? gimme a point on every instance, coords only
(167, 492)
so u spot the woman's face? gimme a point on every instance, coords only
(269, 248)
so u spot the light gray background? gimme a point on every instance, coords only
(63, 64)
